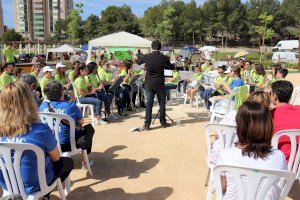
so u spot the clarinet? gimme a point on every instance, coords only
(131, 95)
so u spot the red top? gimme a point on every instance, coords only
(286, 117)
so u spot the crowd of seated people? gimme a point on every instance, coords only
(267, 106)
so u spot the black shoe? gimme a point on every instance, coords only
(146, 128)
(143, 105)
(165, 125)
(122, 114)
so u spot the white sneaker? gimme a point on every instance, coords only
(101, 122)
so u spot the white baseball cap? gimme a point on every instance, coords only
(228, 70)
(58, 65)
(47, 69)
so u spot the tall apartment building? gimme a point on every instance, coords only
(35, 19)
(1, 20)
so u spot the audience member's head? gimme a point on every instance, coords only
(18, 109)
(275, 68)
(47, 71)
(8, 68)
(92, 66)
(19, 73)
(198, 68)
(260, 97)
(37, 68)
(222, 69)
(54, 91)
(235, 71)
(254, 129)
(281, 92)
(260, 70)
(156, 45)
(282, 73)
(30, 80)
(128, 64)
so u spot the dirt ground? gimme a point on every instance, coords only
(156, 165)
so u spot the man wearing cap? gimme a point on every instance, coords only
(47, 71)
(6, 77)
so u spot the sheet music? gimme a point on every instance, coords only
(187, 75)
(137, 67)
(168, 73)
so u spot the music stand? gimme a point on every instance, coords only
(166, 116)
(116, 84)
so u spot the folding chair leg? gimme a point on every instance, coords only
(83, 111)
(68, 185)
(197, 101)
(61, 190)
(207, 177)
(92, 115)
(87, 162)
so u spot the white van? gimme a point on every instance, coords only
(287, 57)
(289, 45)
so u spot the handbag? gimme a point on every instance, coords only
(86, 139)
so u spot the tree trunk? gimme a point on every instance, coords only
(193, 38)
(226, 40)
(222, 40)
(200, 39)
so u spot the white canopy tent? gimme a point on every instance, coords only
(120, 39)
(62, 49)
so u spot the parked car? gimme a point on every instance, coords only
(286, 45)
(288, 57)
(25, 58)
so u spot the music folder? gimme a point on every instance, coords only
(134, 79)
(116, 84)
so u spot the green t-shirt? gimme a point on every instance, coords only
(60, 78)
(105, 76)
(93, 80)
(221, 80)
(258, 79)
(43, 83)
(198, 76)
(275, 79)
(71, 76)
(9, 54)
(176, 77)
(124, 73)
(80, 83)
(205, 68)
(6, 79)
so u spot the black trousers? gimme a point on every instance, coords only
(161, 96)
(62, 169)
(84, 141)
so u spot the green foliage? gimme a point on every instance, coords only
(164, 28)
(114, 19)
(11, 35)
(90, 27)
(74, 30)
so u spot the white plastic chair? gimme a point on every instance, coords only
(85, 107)
(295, 99)
(294, 159)
(53, 120)
(258, 182)
(11, 170)
(227, 137)
(220, 113)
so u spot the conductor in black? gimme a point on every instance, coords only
(155, 63)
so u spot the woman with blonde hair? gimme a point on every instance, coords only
(20, 123)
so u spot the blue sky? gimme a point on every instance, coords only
(91, 7)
